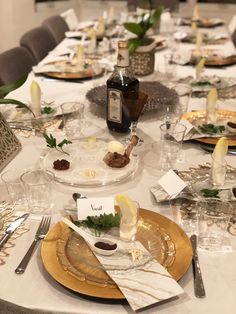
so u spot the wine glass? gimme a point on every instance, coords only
(134, 102)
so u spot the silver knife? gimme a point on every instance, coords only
(199, 289)
(11, 228)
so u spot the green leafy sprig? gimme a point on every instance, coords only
(211, 128)
(140, 29)
(210, 193)
(5, 89)
(52, 143)
(101, 223)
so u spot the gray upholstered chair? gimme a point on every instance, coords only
(234, 37)
(57, 26)
(39, 42)
(172, 5)
(14, 63)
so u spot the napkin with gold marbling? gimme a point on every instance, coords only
(142, 280)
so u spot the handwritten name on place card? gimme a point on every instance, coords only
(94, 207)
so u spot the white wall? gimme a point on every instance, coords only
(19, 16)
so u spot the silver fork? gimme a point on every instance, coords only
(40, 234)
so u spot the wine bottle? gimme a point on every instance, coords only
(119, 84)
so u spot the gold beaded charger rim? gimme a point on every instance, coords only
(196, 116)
(176, 256)
(215, 60)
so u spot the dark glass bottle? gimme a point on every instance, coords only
(119, 84)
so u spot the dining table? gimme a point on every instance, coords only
(36, 291)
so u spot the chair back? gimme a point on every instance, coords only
(39, 42)
(234, 37)
(14, 63)
(57, 27)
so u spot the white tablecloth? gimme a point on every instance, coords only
(36, 291)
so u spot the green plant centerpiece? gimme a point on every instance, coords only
(142, 47)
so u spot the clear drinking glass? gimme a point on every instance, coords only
(38, 188)
(172, 136)
(129, 224)
(14, 186)
(218, 172)
(185, 214)
(213, 219)
(73, 119)
(184, 92)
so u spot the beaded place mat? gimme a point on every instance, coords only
(8, 215)
(158, 95)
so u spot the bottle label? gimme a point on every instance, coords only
(123, 58)
(114, 105)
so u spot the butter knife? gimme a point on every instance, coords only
(11, 228)
(199, 289)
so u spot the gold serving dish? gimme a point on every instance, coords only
(223, 116)
(68, 259)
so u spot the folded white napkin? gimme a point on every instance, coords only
(85, 24)
(182, 56)
(71, 34)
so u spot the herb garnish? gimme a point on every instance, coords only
(210, 193)
(211, 128)
(101, 223)
(201, 83)
(47, 110)
(52, 143)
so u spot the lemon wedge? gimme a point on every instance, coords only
(221, 149)
(127, 207)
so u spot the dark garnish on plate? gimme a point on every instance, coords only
(62, 164)
(105, 246)
(231, 125)
(47, 110)
(210, 193)
(211, 128)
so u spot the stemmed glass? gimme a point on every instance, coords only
(134, 102)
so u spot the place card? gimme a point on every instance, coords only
(94, 206)
(172, 183)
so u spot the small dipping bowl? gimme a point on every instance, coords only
(231, 126)
(233, 191)
(104, 247)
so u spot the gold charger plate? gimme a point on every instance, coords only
(214, 60)
(198, 118)
(175, 254)
(73, 74)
